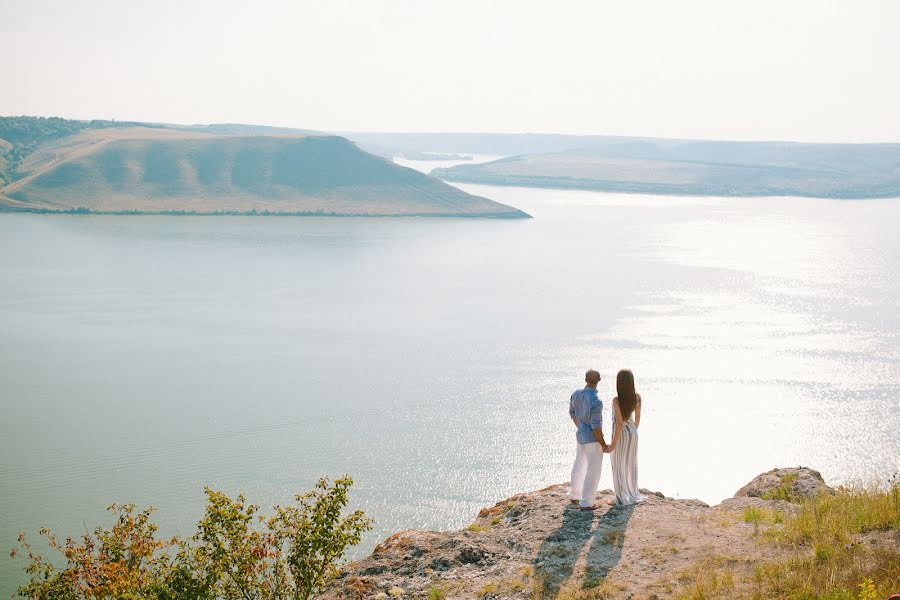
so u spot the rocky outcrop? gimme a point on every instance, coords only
(793, 482)
(538, 545)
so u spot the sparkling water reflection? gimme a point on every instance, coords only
(142, 358)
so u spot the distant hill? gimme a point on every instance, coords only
(242, 129)
(163, 169)
(401, 144)
(662, 166)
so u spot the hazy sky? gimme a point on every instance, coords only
(802, 70)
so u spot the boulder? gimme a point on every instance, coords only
(791, 483)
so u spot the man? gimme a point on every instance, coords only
(586, 411)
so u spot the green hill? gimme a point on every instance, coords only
(166, 170)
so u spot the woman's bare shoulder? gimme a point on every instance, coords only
(637, 398)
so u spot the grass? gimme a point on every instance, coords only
(710, 578)
(842, 547)
(754, 515)
(785, 490)
(760, 516)
(515, 584)
(591, 588)
(491, 587)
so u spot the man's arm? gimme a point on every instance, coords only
(597, 423)
(598, 435)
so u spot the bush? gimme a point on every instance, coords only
(235, 552)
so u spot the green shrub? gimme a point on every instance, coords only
(235, 552)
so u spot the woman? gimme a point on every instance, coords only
(626, 418)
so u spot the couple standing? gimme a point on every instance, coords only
(586, 411)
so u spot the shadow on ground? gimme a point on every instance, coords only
(559, 553)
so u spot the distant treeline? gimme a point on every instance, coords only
(81, 210)
(23, 134)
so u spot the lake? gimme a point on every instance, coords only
(142, 358)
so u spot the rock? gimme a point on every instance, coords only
(647, 492)
(537, 545)
(374, 570)
(791, 483)
(470, 555)
(439, 564)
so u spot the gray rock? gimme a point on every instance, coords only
(471, 555)
(793, 482)
(440, 564)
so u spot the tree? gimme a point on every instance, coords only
(235, 553)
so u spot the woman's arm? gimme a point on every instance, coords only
(618, 432)
(637, 411)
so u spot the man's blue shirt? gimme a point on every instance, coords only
(587, 408)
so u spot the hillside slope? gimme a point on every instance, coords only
(701, 168)
(144, 170)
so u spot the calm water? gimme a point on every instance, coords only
(142, 358)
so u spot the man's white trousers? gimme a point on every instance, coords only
(586, 473)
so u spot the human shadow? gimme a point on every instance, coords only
(555, 562)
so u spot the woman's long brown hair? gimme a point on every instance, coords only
(625, 390)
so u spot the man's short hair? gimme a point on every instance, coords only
(592, 376)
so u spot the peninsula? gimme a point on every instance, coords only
(61, 166)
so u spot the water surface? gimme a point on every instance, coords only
(142, 358)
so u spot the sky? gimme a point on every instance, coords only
(787, 69)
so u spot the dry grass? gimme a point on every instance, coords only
(711, 578)
(590, 589)
(845, 546)
(514, 584)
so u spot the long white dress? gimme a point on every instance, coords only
(624, 464)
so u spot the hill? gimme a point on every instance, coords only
(20, 136)
(688, 167)
(402, 144)
(658, 165)
(193, 171)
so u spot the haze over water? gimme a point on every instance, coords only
(142, 358)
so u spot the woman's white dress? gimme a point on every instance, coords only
(624, 464)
